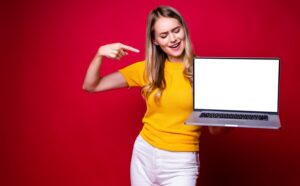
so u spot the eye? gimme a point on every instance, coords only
(177, 30)
(163, 36)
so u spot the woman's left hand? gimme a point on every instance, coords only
(218, 130)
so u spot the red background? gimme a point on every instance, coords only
(54, 133)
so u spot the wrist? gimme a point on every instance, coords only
(100, 52)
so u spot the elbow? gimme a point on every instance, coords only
(87, 88)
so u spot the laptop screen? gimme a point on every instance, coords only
(236, 84)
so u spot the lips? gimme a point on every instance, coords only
(175, 45)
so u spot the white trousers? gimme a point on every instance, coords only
(151, 166)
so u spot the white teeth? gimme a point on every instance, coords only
(174, 46)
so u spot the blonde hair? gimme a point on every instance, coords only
(155, 57)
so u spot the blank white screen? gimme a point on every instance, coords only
(236, 84)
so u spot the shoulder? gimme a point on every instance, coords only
(139, 66)
(134, 73)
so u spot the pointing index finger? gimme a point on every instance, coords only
(130, 48)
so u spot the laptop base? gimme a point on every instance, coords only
(273, 121)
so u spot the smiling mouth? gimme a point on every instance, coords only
(175, 45)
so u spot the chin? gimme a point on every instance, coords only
(176, 54)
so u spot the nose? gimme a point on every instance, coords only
(172, 38)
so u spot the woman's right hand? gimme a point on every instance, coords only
(115, 50)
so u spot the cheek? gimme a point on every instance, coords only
(181, 35)
(162, 42)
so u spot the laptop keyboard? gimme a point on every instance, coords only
(235, 116)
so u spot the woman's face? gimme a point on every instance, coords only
(169, 35)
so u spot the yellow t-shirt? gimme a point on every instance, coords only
(164, 125)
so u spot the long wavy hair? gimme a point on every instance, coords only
(156, 57)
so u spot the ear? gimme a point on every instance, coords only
(155, 42)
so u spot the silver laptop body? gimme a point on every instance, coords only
(236, 92)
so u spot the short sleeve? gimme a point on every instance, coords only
(134, 74)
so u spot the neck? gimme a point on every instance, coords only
(175, 59)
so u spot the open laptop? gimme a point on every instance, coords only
(236, 92)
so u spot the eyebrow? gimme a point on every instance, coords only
(171, 30)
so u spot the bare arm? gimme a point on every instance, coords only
(93, 82)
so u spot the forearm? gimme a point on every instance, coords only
(93, 82)
(92, 77)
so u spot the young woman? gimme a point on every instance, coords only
(166, 150)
